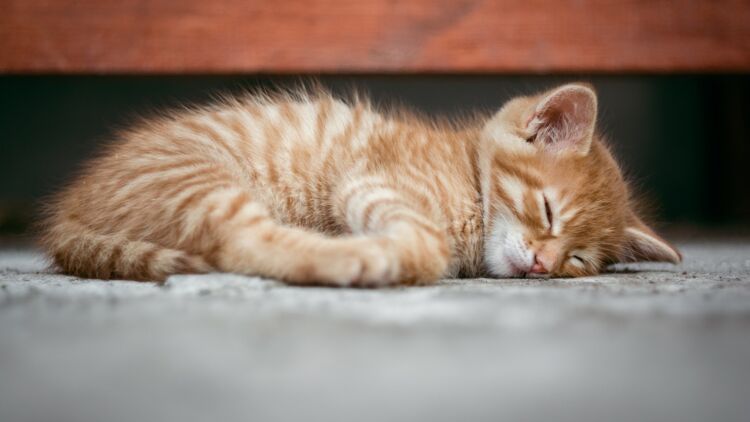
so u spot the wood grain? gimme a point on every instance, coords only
(375, 36)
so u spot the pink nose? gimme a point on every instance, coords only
(538, 267)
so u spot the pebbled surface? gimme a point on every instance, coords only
(647, 342)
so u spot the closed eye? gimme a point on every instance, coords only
(548, 212)
(578, 259)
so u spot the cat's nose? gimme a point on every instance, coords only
(538, 267)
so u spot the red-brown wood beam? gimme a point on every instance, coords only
(376, 36)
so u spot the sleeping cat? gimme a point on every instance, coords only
(311, 189)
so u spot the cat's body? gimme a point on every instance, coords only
(311, 189)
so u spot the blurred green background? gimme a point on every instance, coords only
(683, 140)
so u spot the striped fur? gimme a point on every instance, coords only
(311, 189)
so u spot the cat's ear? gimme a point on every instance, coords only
(642, 244)
(563, 119)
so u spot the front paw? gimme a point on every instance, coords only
(353, 262)
(378, 267)
(357, 263)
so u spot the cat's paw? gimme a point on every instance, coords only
(360, 264)
(352, 262)
(378, 267)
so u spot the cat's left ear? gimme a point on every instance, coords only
(564, 119)
(643, 244)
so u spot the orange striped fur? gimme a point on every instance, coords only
(312, 189)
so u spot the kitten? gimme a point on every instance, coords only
(310, 189)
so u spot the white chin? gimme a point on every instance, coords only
(505, 253)
(501, 268)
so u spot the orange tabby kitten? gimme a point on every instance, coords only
(314, 190)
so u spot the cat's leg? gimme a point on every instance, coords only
(414, 244)
(239, 235)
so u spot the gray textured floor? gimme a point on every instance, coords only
(660, 343)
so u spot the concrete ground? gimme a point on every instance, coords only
(647, 342)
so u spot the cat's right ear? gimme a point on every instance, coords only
(563, 119)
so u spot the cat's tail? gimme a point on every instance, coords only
(77, 250)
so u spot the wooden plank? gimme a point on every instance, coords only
(288, 36)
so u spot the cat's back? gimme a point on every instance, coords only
(240, 134)
(287, 148)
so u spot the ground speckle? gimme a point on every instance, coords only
(644, 342)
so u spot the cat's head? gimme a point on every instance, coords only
(555, 202)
